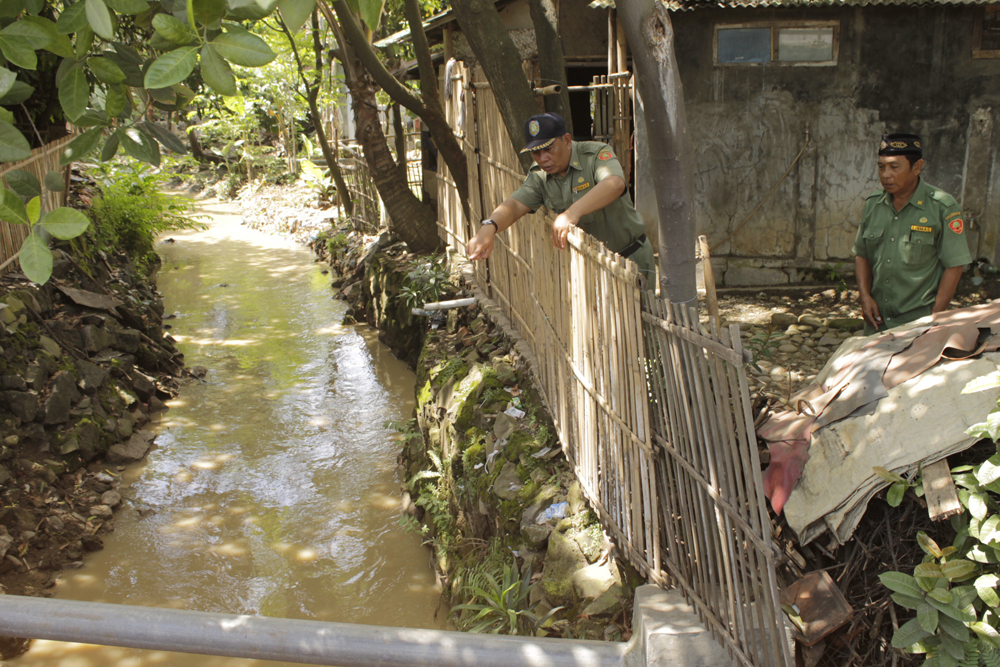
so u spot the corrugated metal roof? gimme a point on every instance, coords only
(403, 35)
(684, 5)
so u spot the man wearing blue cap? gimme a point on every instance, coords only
(910, 249)
(583, 184)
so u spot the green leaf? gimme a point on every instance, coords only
(6, 116)
(251, 10)
(932, 570)
(956, 629)
(12, 208)
(17, 50)
(989, 471)
(65, 223)
(140, 145)
(216, 72)
(165, 96)
(55, 181)
(110, 147)
(941, 595)
(908, 634)
(209, 11)
(36, 259)
(74, 93)
(33, 6)
(23, 183)
(243, 48)
(115, 100)
(7, 79)
(928, 545)
(82, 146)
(56, 43)
(928, 618)
(106, 70)
(987, 429)
(982, 383)
(951, 610)
(977, 505)
(73, 19)
(172, 67)
(173, 30)
(907, 601)
(371, 12)
(296, 12)
(899, 582)
(169, 140)
(894, 496)
(986, 588)
(18, 93)
(92, 118)
(957, 569)
(988, 531)
(84, 40)
(100, 18)
(888, 475)
(128, 6)
(13, 145)
(987, 633)
(34, 209)
(33, 34)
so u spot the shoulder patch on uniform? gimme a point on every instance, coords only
(952, 215)
(944, 198)
(956, 225)
(605, 154)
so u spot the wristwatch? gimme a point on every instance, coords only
(490, 221)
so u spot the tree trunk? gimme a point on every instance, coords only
(500, 60)
(412, 220)
(199, 153)
(397, 127)
(551, 64)
(651, 37)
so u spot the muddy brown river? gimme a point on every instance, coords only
(273, 489)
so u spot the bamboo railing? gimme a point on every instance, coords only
(43, 160)
(651, 411)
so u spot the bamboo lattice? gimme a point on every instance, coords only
(43, 160)
(652, 412)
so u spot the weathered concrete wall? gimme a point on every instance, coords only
(748, 123)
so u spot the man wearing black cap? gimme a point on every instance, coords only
(910, 248)
(582, 183)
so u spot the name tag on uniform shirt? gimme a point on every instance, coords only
(581, 187)
(920, 228)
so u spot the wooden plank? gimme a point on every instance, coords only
(940, 491)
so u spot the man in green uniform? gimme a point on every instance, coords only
(582, 183)
(910, 249)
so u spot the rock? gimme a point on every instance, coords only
(507, 483)
(811, 320)
(104, 478)
(809, 342)
(95, 338)
(594, 580)
(22, 404)
(4, 478)
(744, 326)
(11, 440)
(563, 559)
(101, 511)
(783, 320)
(156, 405)
(61, 399)
(846, 323)
(128, 339)
(829, 341)
(14, 382)
(505, 372)
(5, 542)
(788, 348)
(111, 498)
(503, 426)
(134, 449)
(91, 376)
(198, 371)
(50, 346)
(35, 377)
(126, 423)
(575, 500)
(536, 535)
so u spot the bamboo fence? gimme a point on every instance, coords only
(652, 412)
(612, 104)
(361, 189)
(43, 160)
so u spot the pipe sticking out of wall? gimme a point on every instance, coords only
(554, 89)
(311, 642)
(442, 305)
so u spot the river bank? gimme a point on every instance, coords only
(85, 366)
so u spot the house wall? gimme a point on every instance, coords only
(900, 69)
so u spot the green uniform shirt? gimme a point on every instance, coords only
(909, 250)
(617, 225)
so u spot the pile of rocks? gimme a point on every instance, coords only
(84, 365)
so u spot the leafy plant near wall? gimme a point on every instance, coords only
(954, 589)
(427, 282)
(132, 211)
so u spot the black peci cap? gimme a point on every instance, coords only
(900, 144)
(542, 130)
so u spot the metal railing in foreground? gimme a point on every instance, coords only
(309, 642)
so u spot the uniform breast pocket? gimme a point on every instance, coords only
(918, 250)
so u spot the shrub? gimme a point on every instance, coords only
(132, 211)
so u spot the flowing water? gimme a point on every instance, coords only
(273, 489)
